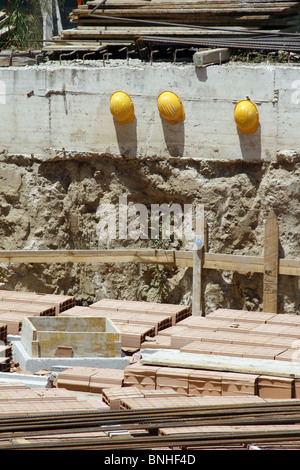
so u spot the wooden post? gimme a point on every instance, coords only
(197, 262)
(271, 264)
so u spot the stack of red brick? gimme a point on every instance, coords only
(146, 379)
(89, 379)
(18, 400)
(114, 397)
(137, 321)
(234, 333)
(196, 382)
(15, 305)
(5, 351)
(177, 312)
(138, 403)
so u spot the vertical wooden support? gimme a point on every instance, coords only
(271, 264)
(197, 261)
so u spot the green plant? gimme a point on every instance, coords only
(159, 282)
(25, 25)
(160, 273)
(18, 25)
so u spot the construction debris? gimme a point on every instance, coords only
(178, 364)
(139, 26)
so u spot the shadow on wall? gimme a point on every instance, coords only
(201, 73)
(250, 145)
(127, 138)
(174, 137)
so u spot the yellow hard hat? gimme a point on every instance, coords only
(246, 116)
(170, 107)
(121, 107)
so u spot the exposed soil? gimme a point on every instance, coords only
(53, 204)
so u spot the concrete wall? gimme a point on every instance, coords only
(87, 336)
(51, 110)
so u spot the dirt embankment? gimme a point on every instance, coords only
(52, 205)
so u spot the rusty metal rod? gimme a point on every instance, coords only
(256, 419)
(145, 416)
(249, 43)
(191, 440)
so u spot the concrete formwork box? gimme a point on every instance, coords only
(88, 337)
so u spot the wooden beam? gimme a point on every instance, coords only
(88, 256)
(217, 261)
(271, 264)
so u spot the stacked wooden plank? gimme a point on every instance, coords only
(121, 22)
(14, 306)
(229, 13)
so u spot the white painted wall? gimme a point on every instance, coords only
(47, 124)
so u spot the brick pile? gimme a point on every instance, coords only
(139, 403)
(5, 351)
(89, 379)
(5, 358)
(223, 332)
(196, 382)
(137, 321)
(60, 301)
(177, 312)
(236, 333)
(18, 400)
(114, 396)
(14, 306)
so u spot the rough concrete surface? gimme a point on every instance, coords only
(56, 110)
(49, 199)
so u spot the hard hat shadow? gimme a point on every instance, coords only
(127, 138)
(250, 145)
(174, 135)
